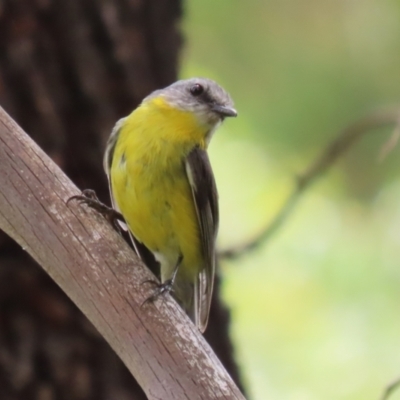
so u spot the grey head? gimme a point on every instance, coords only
(202, 96)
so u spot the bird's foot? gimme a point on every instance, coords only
(165, 287)
(160, 289)
(90, 198)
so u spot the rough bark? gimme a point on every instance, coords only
(68, 71)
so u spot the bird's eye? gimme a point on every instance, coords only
(196, 89)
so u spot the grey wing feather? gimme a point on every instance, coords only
(110, 147)
(204, 190)
(107, 161)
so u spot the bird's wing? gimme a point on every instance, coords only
(107, 161)
(140, 248)
(205, 197)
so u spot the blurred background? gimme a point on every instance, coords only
(315, 311)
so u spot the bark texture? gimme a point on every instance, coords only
(68, 71)
(95, 267)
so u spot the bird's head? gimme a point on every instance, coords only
(203, 97)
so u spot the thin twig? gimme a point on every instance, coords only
(390, 389)
(344, 141)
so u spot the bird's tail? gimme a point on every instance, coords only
(194, 297)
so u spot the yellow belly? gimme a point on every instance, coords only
(151, 189)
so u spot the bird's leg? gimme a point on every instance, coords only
(165, 287)
(90, 198)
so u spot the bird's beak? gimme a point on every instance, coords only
(224, 111)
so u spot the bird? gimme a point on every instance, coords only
(161, 181)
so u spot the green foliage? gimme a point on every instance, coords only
(316, 313)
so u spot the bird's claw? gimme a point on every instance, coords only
(161, 289)
(90, 198)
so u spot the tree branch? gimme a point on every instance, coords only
(157, 342)
(343, 142)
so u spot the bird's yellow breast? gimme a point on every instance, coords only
(150, 185)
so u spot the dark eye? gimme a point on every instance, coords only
(196, 89)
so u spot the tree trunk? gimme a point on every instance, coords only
(68, 70)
